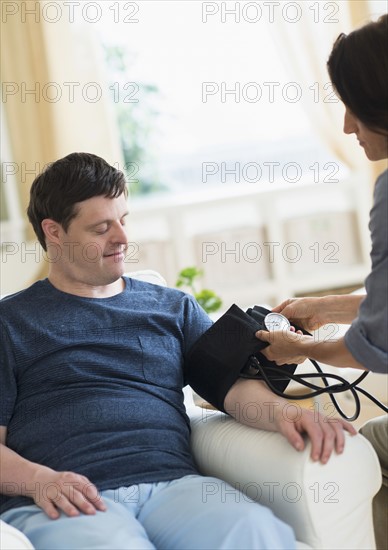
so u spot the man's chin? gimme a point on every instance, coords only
(111, 280)
(112, 271)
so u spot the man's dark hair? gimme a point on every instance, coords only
(358, 68)
(62, 184)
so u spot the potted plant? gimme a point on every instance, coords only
(207, 299)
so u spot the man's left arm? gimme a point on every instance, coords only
(273, 415)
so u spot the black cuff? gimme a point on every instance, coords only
(224, 351)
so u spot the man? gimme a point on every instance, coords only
(93, 427)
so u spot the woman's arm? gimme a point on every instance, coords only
(312, 313)
(291, 347)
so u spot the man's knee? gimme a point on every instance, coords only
(104, 530)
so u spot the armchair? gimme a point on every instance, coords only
(12, 539)
(329, 506)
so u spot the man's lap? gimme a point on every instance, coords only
(191, 512)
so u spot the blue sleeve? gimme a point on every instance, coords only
(196, 323)
(367, 338)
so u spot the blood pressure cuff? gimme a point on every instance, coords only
(225, 352)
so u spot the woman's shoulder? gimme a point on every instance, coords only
(381, 188)
(382, 179)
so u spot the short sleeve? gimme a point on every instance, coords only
(196, 323)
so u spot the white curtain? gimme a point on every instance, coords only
(305, 46)
(54, 95)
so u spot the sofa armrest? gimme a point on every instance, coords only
(329, 506)
(12, 539)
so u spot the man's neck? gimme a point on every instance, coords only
(87, 290)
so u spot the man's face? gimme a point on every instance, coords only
(93, 248)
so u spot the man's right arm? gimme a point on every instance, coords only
(52, 491)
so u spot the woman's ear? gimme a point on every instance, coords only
(52, 230)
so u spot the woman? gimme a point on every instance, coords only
(358, 68)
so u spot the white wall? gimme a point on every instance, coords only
(255, 244)
(258, 244)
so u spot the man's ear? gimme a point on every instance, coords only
(52, 230)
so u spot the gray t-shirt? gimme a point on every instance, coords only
(367, 338)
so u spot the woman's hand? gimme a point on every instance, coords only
(312, 313)
(286, 346)
(308, 313)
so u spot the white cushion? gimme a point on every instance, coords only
(12, 539)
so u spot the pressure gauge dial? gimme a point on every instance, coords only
(276, 321)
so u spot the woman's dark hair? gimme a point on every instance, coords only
(358, 69)
(68, 181)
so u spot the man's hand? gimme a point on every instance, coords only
(68, 492)
(52, 491)
(326, 434)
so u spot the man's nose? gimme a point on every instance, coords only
(119, 235)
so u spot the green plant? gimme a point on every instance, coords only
(206, 298)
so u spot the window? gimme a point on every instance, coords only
(11, 221)
(208, 100)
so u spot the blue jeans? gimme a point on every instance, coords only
(192, 512)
